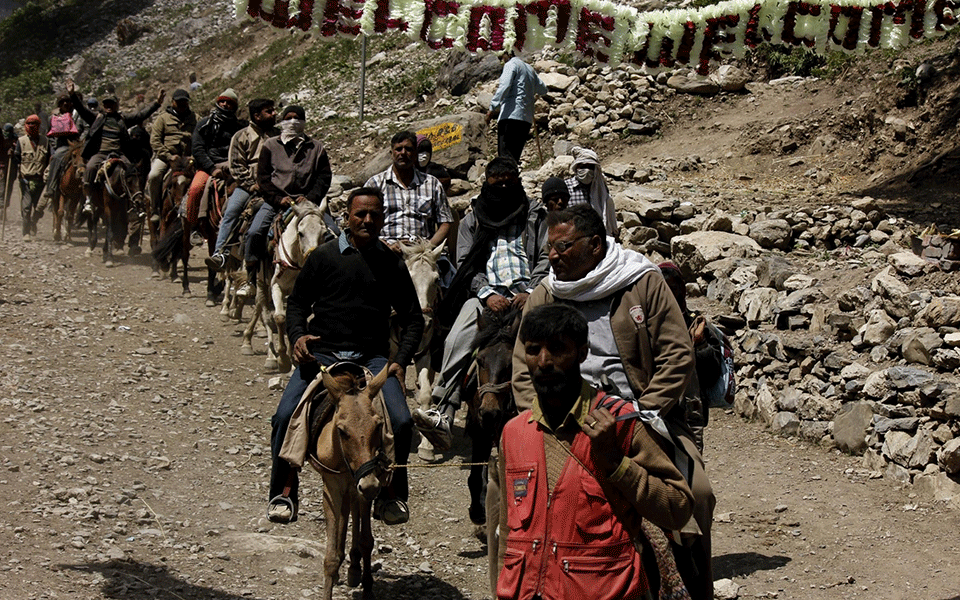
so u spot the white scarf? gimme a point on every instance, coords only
(599, 197)
(618, 269)
(291, 129)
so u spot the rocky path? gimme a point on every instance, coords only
(134, 461)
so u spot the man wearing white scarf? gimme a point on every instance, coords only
(588, 186)
(639, 349)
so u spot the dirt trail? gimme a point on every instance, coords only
(135, 459)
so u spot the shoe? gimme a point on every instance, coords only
(87, 210)
(282, 510)
(155, 218)
(246, 291)
(435, 427)
(26, 237)
(391, 512)
(216, 261)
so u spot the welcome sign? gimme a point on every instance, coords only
(614, 33)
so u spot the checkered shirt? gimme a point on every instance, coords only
(508, 273)
(579, 194)
(411, 212)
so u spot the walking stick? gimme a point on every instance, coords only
(6, 198)
(536, 135)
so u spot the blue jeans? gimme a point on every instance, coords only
(235, 205)
(257, 234)
(397, 409)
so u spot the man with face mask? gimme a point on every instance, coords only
(244, 154)
(292, 168)
(210, 146)
(426, 165)
(30, 158)
(500, 259)
(108, 135)
(588, 186)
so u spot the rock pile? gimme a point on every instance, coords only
(869, 369)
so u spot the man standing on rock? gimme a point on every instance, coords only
(30, 157)
(415, 203)
(513, 104)
(573, 528)
(244, 153)
(350, 285)
(639, 349)
(170, 138)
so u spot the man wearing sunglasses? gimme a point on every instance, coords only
(639, 349)
(500, 260)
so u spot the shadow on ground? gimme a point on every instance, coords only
(125, 580)
(742, 564)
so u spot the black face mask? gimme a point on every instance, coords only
(500, 203)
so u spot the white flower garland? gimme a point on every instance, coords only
(614, 33)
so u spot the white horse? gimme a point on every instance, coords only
(421, 260)
(302, 236)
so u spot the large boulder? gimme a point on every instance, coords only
(558, 82)
(850, 427)
(772, 233)
(462, 71)
(949, 456)
(894, 292)
(458, 140)
(730, 78)
(878, 328)
(691, 252)
(940, 312)
(756, 305)
(693, 84)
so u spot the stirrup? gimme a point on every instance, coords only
(282, 500)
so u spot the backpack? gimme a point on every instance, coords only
(62, 125)
(721, 392)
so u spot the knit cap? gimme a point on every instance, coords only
(228, 94)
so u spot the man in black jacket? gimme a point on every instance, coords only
(108, 135)
(350, 286)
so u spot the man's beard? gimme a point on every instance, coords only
(552, 383)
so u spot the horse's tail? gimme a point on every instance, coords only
(170, 244)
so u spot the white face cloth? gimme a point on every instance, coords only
(423, 159)
(585, 175)
(291, 129)
(619, 268)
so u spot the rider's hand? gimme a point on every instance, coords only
(398, 371)
(286, 202)
(161, 95)
(497, 303)
(301, 351)
(217, 172)
(601, 427)
(520, 299)
(490, 115)
(301, 199)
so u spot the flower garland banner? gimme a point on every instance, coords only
(614, 33)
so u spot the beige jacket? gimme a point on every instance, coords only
(33, 158)
(244, 153)
(171, 134)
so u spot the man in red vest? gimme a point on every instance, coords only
(578, 474)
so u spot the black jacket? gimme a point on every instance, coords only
(95, 133)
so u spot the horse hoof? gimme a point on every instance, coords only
(209, 303)
(270, 364)
(155, 275)
(88, 252)
(425, 451)
(480, 532)
(246, 350)
(354, 577)
(108, 264)
(186, 294)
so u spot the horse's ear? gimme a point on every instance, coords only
(436, 252)
(323, 205)
(373, 387)
(333, 386)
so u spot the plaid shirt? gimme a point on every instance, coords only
(508, 273)
(411, 212)
(579, 194)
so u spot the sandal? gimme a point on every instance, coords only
(282, 510)
(391, 512)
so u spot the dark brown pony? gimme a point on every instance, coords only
(490, 395)
(114, 191)
(206, 228)
(165, 236)
(71, 193)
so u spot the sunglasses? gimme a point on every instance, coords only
(562, 246)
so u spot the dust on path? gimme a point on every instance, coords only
(135, 459)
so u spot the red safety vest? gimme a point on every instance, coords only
(568, 543)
